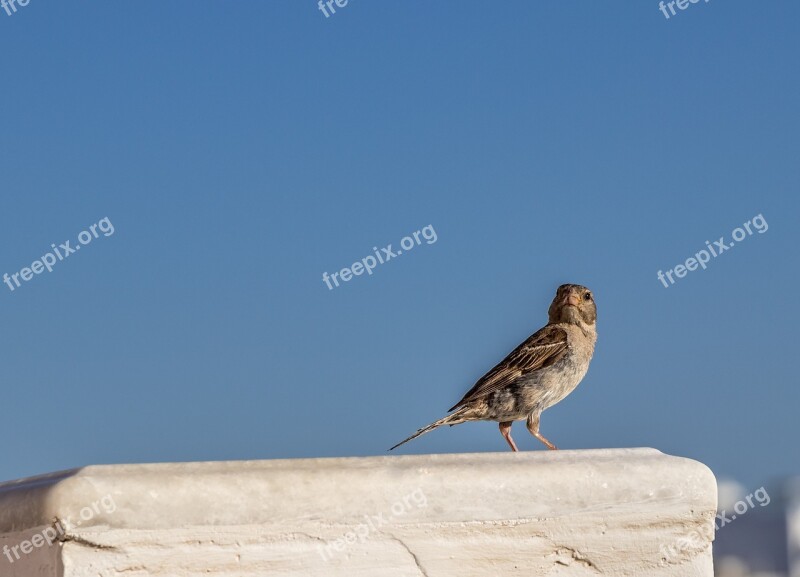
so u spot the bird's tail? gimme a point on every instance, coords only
(452, 419)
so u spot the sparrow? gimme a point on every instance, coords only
(536, 375)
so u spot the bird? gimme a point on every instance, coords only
(539, 373)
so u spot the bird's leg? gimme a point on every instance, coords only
(505, 430)
(533, 427)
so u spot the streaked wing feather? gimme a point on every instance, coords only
(541, 349)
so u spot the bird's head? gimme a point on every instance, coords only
(573, 304)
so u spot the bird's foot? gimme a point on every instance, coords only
(505, 430)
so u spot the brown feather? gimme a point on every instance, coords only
(540, 350)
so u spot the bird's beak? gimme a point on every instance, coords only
(571, 299)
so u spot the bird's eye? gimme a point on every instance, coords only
(587, 297)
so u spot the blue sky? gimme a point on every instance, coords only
(241, 149)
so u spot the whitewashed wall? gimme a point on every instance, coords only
(607, 512)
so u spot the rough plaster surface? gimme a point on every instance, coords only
(610, 512)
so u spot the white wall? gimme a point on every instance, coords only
(602, 512)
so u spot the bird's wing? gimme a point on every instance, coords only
(540, 350)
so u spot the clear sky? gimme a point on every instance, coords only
(242, 149)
